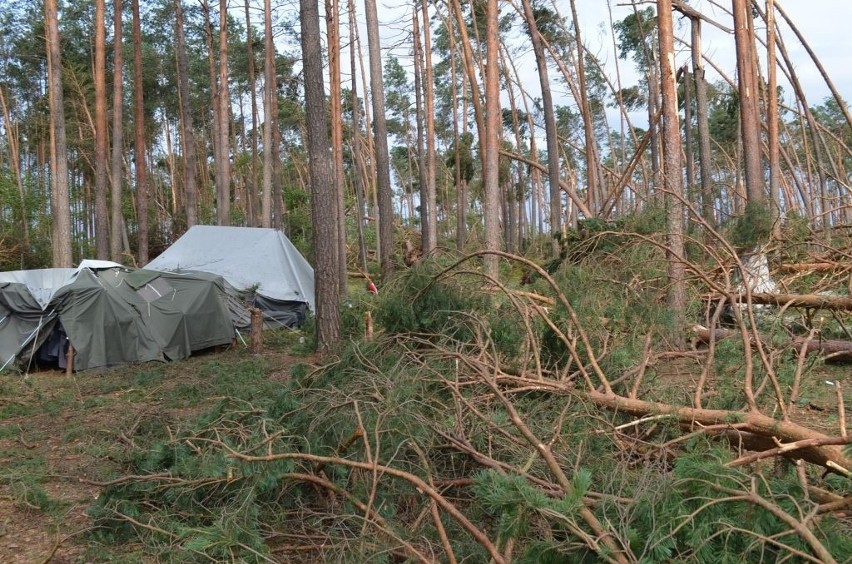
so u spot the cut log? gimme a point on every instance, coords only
(836, 350)
(837, 303)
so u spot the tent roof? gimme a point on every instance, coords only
(43, 283)
(246, 257)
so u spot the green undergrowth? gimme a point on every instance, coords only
(419, 399)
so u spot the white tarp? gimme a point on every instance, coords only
(43, 283)
(246, 257)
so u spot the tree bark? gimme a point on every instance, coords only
(672, 176)
(323, 195)
(102, 247)
(357, 177)
(60, 200)
(187, 127)
(270, 106)
(383, 186)
(551, 134)
(773, 140)
(749, 112)
(493, 126)
(592, 177)
(332, 9)
(223, 176)
(702, 117)
(139, 150)
(251, 188)
(430, 212)
(116, 173)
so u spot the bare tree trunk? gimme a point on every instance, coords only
(101, 136)
(461, 192)
(186, 124)
(772, 110)
(357, 177)
(323, 195)
(493, 116)
(431, 209)
(15, 165)
(702, 117)
(223, 176)
(592, 178)
(251, 188)
(332, 15)
(688, 143)
(139, 150)
(116, 173)
(749, 112)
(214, 97)
(383, 186)
(672, 170)
(417, 52)
(60, 200)
(270, 97)
(551, 134)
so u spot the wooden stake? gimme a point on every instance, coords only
(69, 360)
(256, 338)
(368, 324)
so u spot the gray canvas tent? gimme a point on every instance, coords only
(110, 314)
(262, 266)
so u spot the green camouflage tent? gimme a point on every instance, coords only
(111, 315)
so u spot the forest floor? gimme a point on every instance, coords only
(61, 437)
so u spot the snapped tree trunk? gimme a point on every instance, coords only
(749, 112)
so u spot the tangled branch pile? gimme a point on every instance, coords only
(492, 426)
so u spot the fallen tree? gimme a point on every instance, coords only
(835, 350)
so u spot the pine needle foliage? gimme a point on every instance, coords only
(437, 396)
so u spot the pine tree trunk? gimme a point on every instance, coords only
(493, 126)
(251, 187)
(139, 150)
(592, 165)
(332, 9)
(187, 132)
(553, 167)
(323, 195)
(60, 200)
(383, 186)
(702, 118)
(749, 112)
(116, 173)
(357, 177)
(672, 171)
(101, 137)
(223, 176)
(270, 97)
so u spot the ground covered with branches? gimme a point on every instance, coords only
(562, 419)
